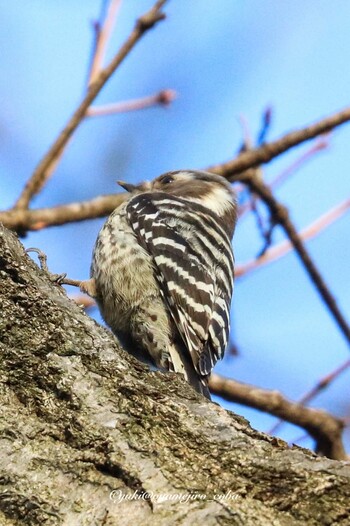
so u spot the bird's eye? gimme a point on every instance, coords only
(167, 179)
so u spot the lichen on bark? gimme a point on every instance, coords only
(84, 426)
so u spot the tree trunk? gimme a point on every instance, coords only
(89, 436)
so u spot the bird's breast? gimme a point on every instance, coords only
(123, 272)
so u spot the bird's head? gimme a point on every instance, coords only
(210, 190)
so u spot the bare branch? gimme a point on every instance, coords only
(323, 427)
(162, 98)
(103, 36)
(280, 216)
(322, 384)
(40, 218)
(22, 220)
(48, 163)
(246, 163)
(262, 155)
(319, 145)
(280, 250)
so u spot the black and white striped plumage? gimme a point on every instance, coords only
(163, 272)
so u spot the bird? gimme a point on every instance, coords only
(162, 272)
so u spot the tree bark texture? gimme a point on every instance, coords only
(89, 436)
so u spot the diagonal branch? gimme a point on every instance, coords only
(322, 384)
(324, 428)
(264, 154)
(283, 248)
(48, 163)
(23, 219)
(321, 143)
(280, 216)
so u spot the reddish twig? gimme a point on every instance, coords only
(162, 98)
(256, 156)
(247, 143)
(47, 164)
(324, 428)
(322, 384)
(280, 250)
(97, 26)
(320, 144)
(103, 34)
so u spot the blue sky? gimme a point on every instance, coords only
(224, 58)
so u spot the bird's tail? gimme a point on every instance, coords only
(182, 363)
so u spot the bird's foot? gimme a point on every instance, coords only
(59, 279)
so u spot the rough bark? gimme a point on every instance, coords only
(80, 418)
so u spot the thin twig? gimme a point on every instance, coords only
(266, 231)
(280, 216)
(280, 250)
(162, 98)
(252, 204)
(262, 155)
(103, 35)
(247, 143)
(320, 144)
(324, 428)
(265, 125)
(322, 384)
(97, 26)
(41, 218)
(47, 164)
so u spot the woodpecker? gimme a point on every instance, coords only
(162, 272)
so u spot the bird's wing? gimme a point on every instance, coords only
(188, 277)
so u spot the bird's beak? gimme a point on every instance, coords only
(127, 186)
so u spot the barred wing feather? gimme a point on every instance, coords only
(190, 280)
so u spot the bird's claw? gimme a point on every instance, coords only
(58, 278)
(55, 278)
(41, 256)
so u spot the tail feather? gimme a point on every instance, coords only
(179, 362)
(182, 363)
